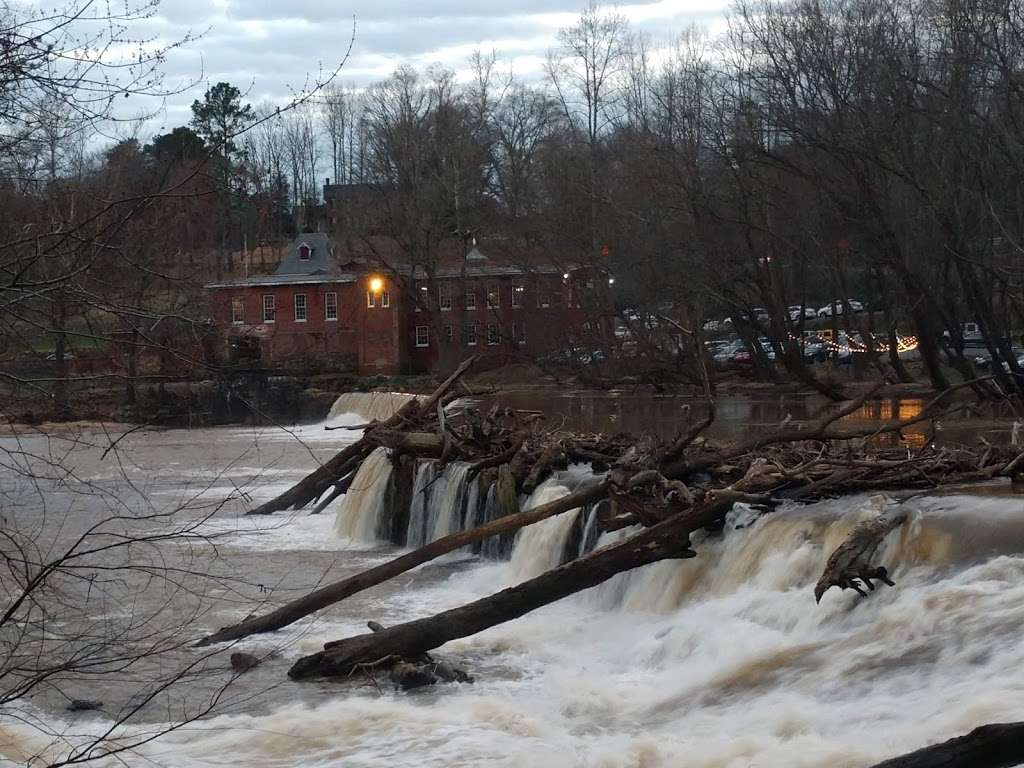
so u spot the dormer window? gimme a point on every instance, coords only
(304, 252)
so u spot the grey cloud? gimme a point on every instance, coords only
(405, 10)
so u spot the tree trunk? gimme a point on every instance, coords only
(340, 590)
(416, 637)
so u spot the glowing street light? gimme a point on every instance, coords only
(376, 285)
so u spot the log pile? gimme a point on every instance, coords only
(666, 490)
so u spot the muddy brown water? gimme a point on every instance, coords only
(716, 662)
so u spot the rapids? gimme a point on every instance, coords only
(721, 661)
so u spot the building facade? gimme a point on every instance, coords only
(354, 313)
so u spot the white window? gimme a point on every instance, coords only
(493, 334)
(422, 335)
(385, 299)
(371, 300)
(331, 306)
(269, 308)
(519, 331)
(449, 333)
(517, 294)
(237, 310)
(444, 296)
(303, 252)
(300, 307)
(469, 334)
(470, 298)
(493, 296)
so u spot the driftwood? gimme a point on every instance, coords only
(333, 593)
(999, 745)
(807, 462)
(850, 566)
(314, 485)
(415, 637)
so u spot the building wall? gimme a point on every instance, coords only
(409, 336)
(548, 316)
(363, 337)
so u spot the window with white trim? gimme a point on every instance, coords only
(422, 335)
(493, 296)
(371, 300)
(469, 334)
(444, 296)
(304, 252)
(385, 299)
(237, 310)
(518, 289)
(269, 308)
(331, 306)
(493, 334)
(449, 333)
(300, 307)
(470, 298)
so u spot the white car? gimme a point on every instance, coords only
(796, 311)
(713, 325)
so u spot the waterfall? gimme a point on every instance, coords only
(439, 503)
(367, 406)
(420, 520)
(361, 508)
(539, 547)
(450, 500)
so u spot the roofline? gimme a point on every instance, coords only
(269, 280)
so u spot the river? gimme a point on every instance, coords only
(723, 660)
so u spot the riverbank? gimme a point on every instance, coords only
(253, 397)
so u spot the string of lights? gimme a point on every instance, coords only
(903, 344)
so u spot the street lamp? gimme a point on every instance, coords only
(376, 285)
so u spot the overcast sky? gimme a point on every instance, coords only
(266, 47)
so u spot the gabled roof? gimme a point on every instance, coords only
(320, 267)
(321, 256)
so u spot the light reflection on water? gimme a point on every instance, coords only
(739, 415)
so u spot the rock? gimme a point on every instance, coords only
(84, 705)
(450, 674)
(243, 662)
(408, 676)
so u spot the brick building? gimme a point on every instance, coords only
(372, 314)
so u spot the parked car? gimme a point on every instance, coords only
(814, 349)
(797, 311)
(984, 363)
(727, 353)
(837, 305)
(743, 354)
(713, 325)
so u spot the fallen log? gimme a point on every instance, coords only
(423, 635)
(315, 484)
(668, 539)
(850, 565)
(333, 593)
(999, 745)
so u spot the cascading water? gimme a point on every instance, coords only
(359, 513)
(720, 661)
(541, 546)
(367, 406)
